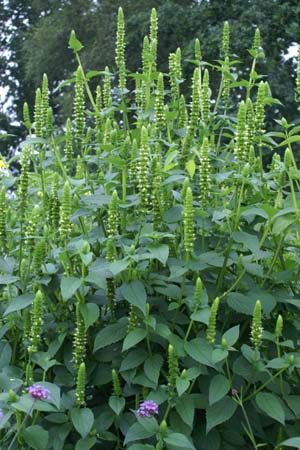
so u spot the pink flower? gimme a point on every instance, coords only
(39, 392)
(147, 409)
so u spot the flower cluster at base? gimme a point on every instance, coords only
(38, 392)
(147, 409)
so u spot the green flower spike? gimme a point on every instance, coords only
(198, 293)
(45, 103)
(153, 36)
(195, 107)
(3, 212)
(99, 105)
(37, 321)
(160, 118)
(156, 194)
(173, 369)
(24, 179)
(79, 105)
(50, 122)
(80, 385)
(197, 49)
(117, 391)
(279, 326)
(260, 108)
(133, 319)
(241, 134)
(226, 39)
(205, 97)
(113, 222)
(28, 374)
(39, 256)
(256, 41)
(65, 211)
(250, 122)
(211, 329)
(182, 114)
(297, 88)
(26, 117)
(120, 49)
(188, 222)
(79, 343)
(133, 164)
(146, 55)
(69, 143)
(204, 174)
(143, 171)
(256, 327)
(54, 204)
(38, 114)
(31, 228)
(107, 100)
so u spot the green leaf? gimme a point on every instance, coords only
(182, 384)
(178, 441)
(36, 437)
(111, 334)
(20, 302)
(292, 442)
(133, 338)
(191, 167)
(74, 43)
(137, 432)
(218, 388)
(8, 279)
(69, 286)
(90, 313)
(141, 447)
(232, 335)
(219, 413)
(86, 443)
(54, 392)
(83, 420)
(200, 350)
(117, 404)
(135, 293)
(160, 252)
(290, 140)
(271, 406)
(185, 408)
(152, 367)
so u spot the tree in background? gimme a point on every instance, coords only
(34, 36)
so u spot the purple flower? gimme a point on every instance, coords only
(1, 414)
(147, 409)
(39, 392)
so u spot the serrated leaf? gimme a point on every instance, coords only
(137, 432)
(160, 252)
(133, 338)
(271, 406)
(178, 441)
(36, 437)
(152, 367)
(200, 350)
(185, 408)
(135, 293)
(83, 420)
(86, 443)
(19, 303)
(218, 388)
(90, 313)
(219, 413)
(117, 404)
(110, 334)
(69, 286)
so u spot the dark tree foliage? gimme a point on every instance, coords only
(34, 36)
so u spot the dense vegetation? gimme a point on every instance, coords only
(150, 262)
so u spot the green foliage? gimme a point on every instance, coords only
(152, 256)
